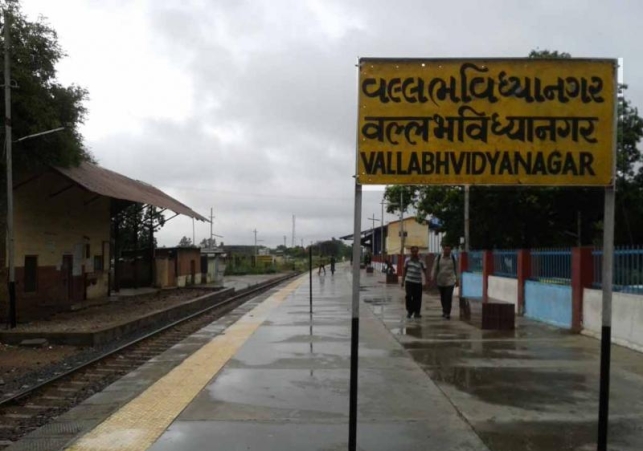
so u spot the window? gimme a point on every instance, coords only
(31, 273)
(98, 263)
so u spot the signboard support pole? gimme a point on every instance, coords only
(310, 276)
(606, 330)
(466, 218)
(357, 233)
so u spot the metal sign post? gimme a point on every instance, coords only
(310, 276)
(357, 226)
(606, 330)
(481, 121)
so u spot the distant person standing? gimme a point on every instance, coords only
(412, 280)
(332, 264)
(445, 273)
(322, 266)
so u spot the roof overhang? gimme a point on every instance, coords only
(111, 184)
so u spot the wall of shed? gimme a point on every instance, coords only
(49, 226)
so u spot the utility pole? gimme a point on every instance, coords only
(292, 241)
(255, 232)
(382, 230)
(7, 121)
(302, 243)
(284, 241)
(373, 219)
(211, 221)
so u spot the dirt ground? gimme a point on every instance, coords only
(16, 361)
(113, 312)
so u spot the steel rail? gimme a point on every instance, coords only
(250, 290)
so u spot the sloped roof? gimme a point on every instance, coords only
(108, 183)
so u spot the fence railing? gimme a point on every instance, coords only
(505, 263)
(628, 269)
(475, 261)
(552, 266)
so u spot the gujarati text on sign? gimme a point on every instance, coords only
(493, 122)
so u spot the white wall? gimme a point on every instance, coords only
(504, 289)
(627, 317)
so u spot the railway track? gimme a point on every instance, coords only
(33, 407)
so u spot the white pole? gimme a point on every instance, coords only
(357, 227)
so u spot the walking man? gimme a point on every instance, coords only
(412, 280)
(322, 265)
(445, 273)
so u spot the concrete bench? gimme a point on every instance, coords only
(491, 315)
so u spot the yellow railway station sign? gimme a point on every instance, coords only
(547, 122)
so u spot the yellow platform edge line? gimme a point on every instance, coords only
(138, 424)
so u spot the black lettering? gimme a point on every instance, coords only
(553, 162)
(586, 160)
(394, 89)
(570, 165)
(539, 165)
(389, 162)
(414, 164)
(519, 160)
(457, 162)
(505, 164)
(427, 162)
(379, 163)
(399, 168)
(380, 91)
(368, 163)
(478, 157)
(493, 160)
(442, 160)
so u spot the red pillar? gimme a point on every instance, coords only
(487, 270)
(524, 273)
(582, 277)
(400, 264)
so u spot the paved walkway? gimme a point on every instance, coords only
(535, 388)
(271, 377)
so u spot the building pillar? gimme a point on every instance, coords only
(582, 277)
(523, 273)
(487, 270)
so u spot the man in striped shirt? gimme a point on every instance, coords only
(412, 280)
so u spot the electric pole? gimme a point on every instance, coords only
(255, 232)
(8, 138)
(292, 241)
(373, 219)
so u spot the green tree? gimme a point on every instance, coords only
(185, 242)
(516, 217)
(137, 218)
(39, 102)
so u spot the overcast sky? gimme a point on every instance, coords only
(249, 107)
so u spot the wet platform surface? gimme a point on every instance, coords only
(287, 387)
(535, 388)
(424, 384)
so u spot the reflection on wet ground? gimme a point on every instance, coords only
(535, 388)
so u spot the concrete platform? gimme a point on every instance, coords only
(286, 387)
(273, 377)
